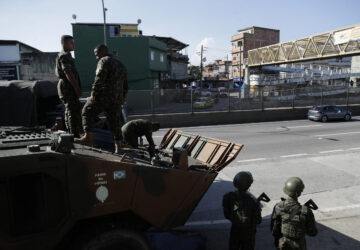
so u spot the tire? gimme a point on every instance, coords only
(347, 117)
(324, 118)
(118, 239)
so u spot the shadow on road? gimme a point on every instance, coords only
(339, 234)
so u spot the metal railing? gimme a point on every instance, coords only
(165, 101)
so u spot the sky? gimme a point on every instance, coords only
(40, 23)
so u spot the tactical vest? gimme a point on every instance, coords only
(293, 221)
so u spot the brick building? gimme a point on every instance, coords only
(247, 39)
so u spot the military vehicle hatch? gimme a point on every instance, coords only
(58, 195)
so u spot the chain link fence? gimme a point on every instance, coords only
(163, 101)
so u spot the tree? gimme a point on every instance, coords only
(194, 72)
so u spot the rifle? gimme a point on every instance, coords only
(263, 197)
(310, 204)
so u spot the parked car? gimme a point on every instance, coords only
(203, 102)
(222, 92)
(325, 113)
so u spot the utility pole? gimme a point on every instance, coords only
(104, 13)
(240, 45)
(201, 66)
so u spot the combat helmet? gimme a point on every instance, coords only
(243, 180)
(294, 187)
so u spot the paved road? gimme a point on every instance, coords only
(325, 155)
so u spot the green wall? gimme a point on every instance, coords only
(134, 52)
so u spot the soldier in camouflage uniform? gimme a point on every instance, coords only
(69, 86)
(134, 129)
(244, 212)
(290, 221)
(108, 93)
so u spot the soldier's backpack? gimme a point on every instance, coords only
(293, 221)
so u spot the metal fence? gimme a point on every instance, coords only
(162, 101)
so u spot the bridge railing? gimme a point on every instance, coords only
(340, 42)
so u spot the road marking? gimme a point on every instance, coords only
(348, 133)
(305, 126)
(332, 151)
(251, 160)
(295, 155)
(207, 222)
(268, 217)
(350, 149)
(334, 209)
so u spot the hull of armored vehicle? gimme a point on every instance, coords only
(44, 194)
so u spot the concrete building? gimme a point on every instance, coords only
(218, 70)
(19, 61)
(144, 57)
(247, 39)
(177, 65)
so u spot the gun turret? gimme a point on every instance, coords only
(263, 197)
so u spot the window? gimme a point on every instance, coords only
(161, 57)
(152, 55)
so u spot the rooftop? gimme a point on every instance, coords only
(256, 27)
(14, 42)
(102, 24)
(171, 43)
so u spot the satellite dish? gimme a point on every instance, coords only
(74, 16)
(139, 21)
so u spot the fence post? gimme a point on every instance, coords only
(347, 97)
(229, 98)
(191, 101)
(152, 101)
(262, 98)
(293, 98)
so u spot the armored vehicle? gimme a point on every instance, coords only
(55, 194)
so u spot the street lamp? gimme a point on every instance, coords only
(104, 13)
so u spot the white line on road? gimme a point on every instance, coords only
(332, 151)
(350, 149)
(347, 133)
(295, 155)
(305, 126)
(335, 209)
(251, 160)
(267, 217)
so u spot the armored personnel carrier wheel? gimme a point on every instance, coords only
(118, 240)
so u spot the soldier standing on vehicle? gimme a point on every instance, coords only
(108, 93)
(244, 212)
(134, 129)
(69, 86)
(290, 221)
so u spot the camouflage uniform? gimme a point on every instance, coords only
(244, 212)
(132, 130)
(67, 92)
(290, 222)
(109, 89)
